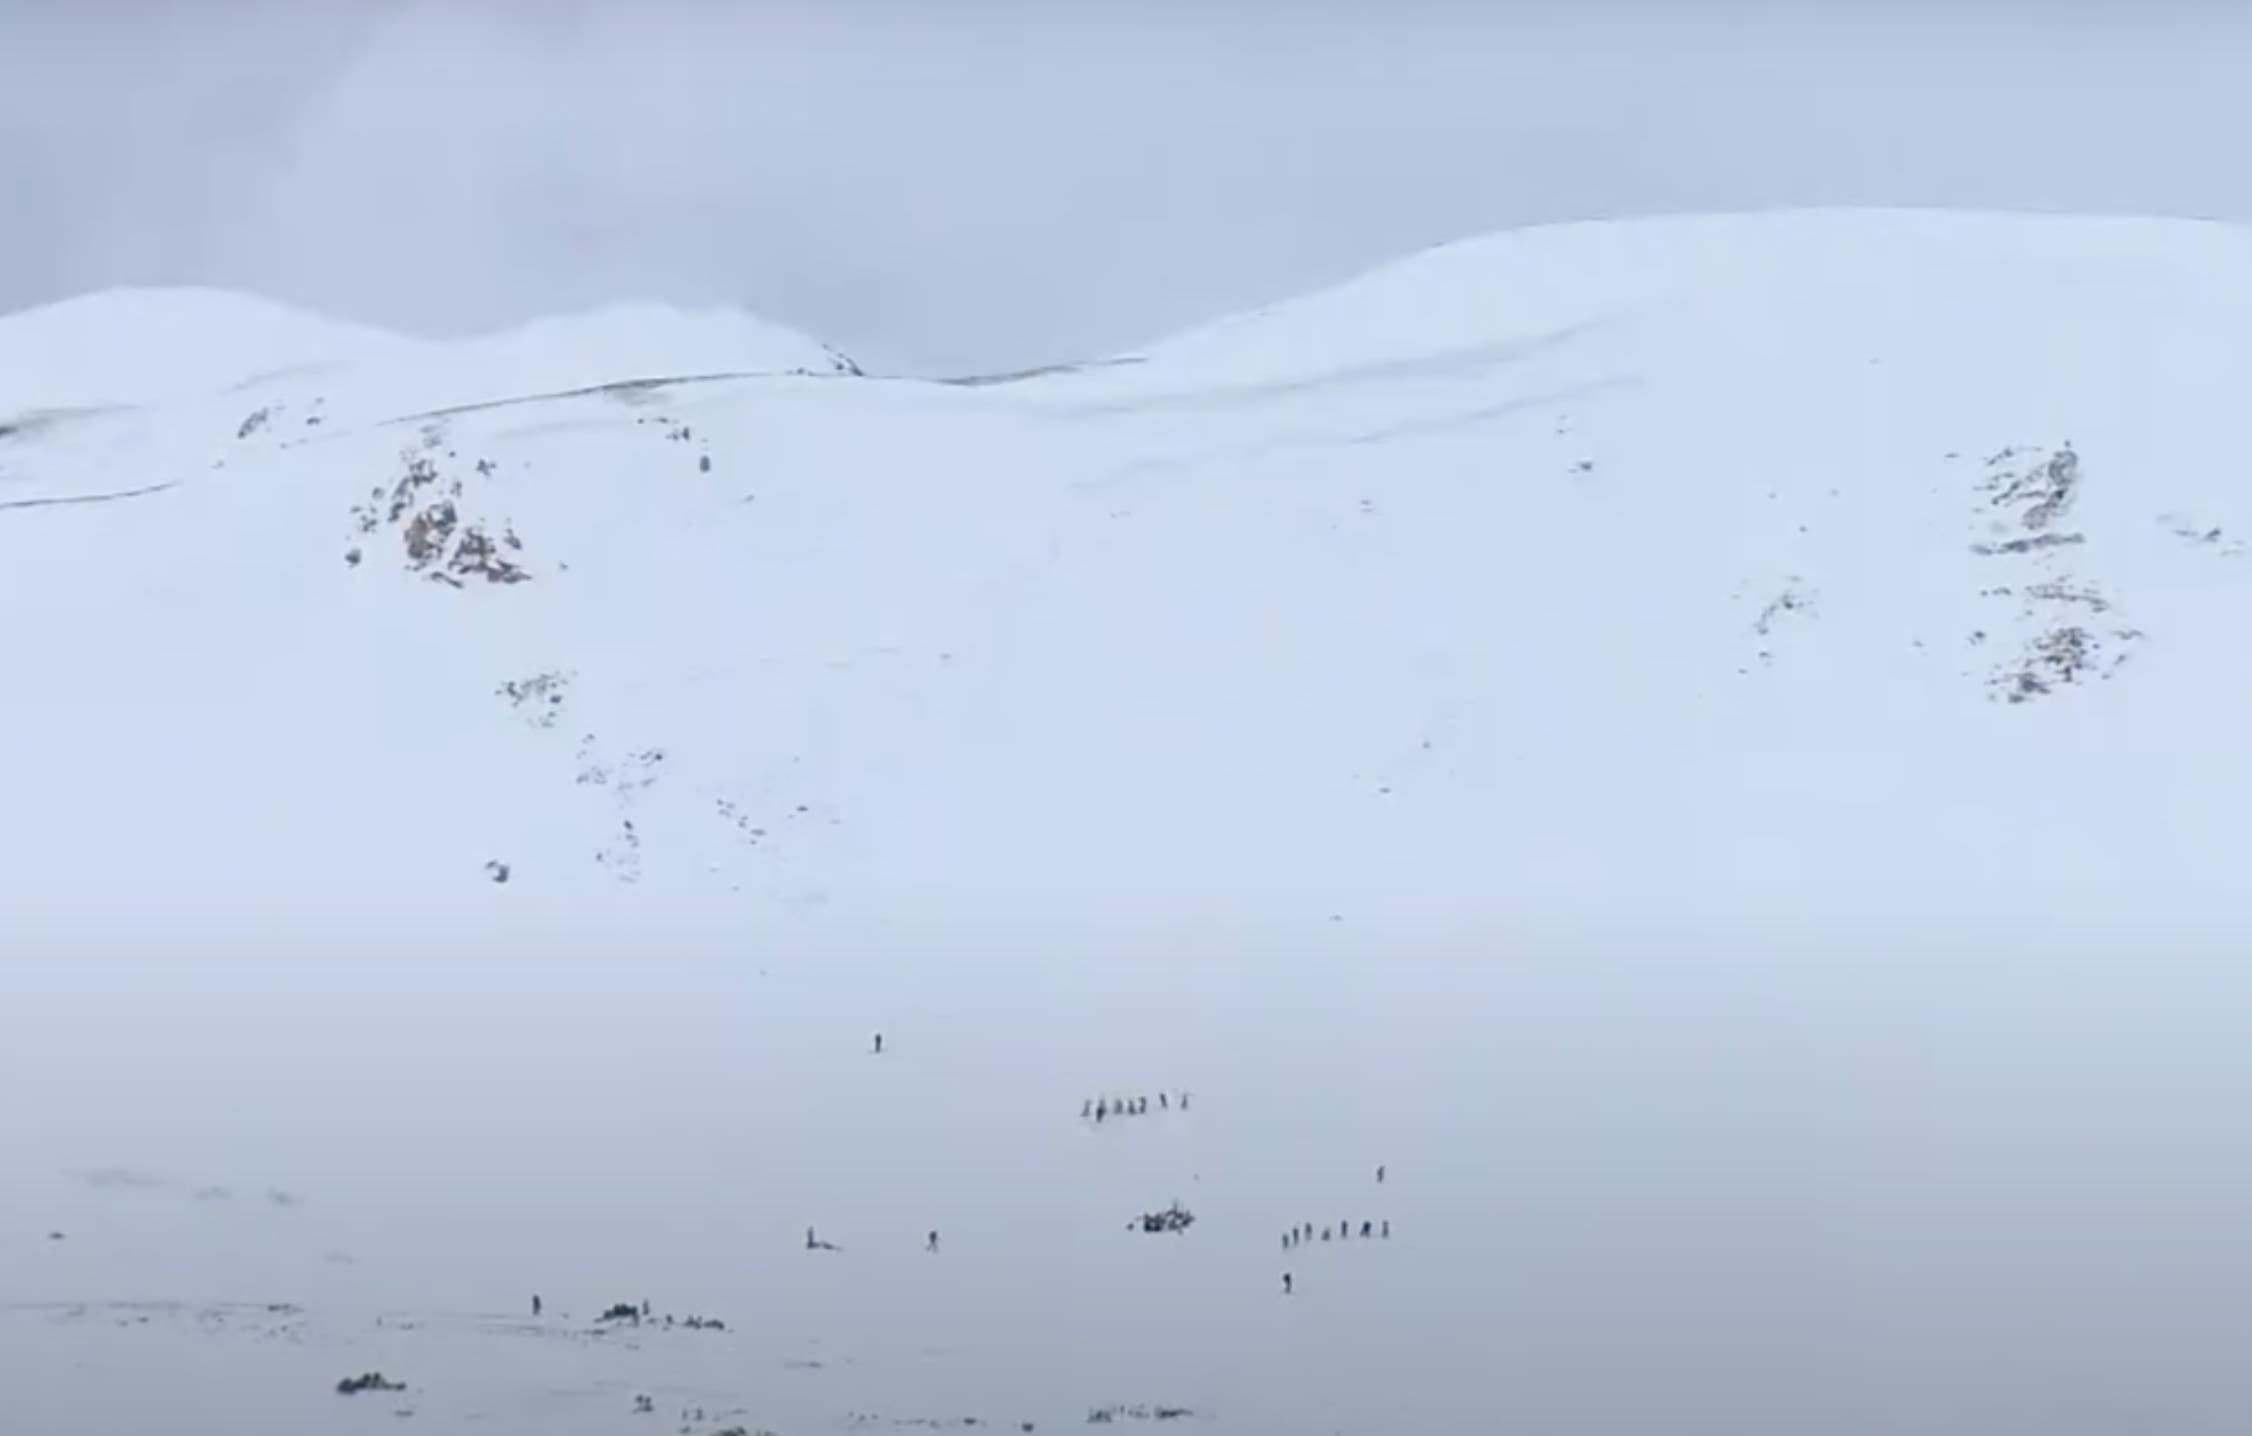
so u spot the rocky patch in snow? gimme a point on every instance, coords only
(676, 432)
(2210, 538)
(440, 538)
(1794, 603)
(2063, 631)
(539, 698)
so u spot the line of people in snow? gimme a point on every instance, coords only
(1097, 1109)
(1343, 1231)
(1299, 1235)
(816, 1243)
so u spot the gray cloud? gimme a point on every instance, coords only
(984, 185)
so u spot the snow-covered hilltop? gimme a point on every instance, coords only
(1887, 565)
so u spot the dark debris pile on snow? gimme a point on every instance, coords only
(1174, 1218)
(368, 1381)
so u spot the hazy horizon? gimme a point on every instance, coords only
(1004, 185)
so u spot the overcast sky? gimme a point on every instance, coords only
(974, 184)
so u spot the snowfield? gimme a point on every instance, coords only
(1712, 747)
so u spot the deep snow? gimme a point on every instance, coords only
(1709, 746)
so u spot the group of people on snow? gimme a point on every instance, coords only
(1097, 1109)
(1343, 1231)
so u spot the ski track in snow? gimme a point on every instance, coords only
(1529, 718)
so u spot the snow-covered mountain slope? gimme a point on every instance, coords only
(1825, 563)
(1737, 609)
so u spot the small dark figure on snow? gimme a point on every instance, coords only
(645, 1306)
(1102, 1110)
(879, 1044)
(1286, 1283)
(1387, 1231)
(1162, 1102)
(1086, 1109)
(1184, 1101)
(1380, 1176)
(535, 1303)
(932, 1244)
(1367, 1227)
(1325, 1234)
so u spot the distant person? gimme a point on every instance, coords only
(1161, 1102)
(1286, 1284)
(1325, 1234)
(1366, 1228)
(1102, 1110)
(812, 1242)
(535, 1303)
(1387, 1230)
(1086, 1109)
(932, 1244)
(645, 1306)
(1380, 1176)
(879, 1044)
(1184, 1101)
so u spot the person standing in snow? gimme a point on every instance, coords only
(1286, 1283)
(879, 1048)
(932, 1244)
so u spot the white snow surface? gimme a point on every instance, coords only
(1712, 746)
